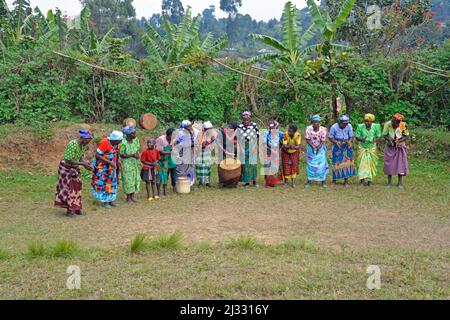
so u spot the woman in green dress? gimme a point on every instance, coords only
(367, 134)
(131, 165)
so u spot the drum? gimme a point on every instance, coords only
(148, 121)
(183, 185)
(230, 172)
(129, 122)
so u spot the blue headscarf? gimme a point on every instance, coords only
(86, 134)
(344, 118)
(316, 117)
(129, 130)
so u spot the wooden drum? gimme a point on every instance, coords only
(230, 172)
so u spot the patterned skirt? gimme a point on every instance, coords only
(316, 164)
(290, 164)
(367, 163)
(249, 169)
(203, 167)
(68, 189)
(343, 164)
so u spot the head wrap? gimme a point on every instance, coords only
(185, 124)
(86, 134)
(115, 136)
(273, 124)
(129, 130)
(398, 117)
(316, 117)
(344, 118)
(246, 114)
(207, 125)
(369, 117)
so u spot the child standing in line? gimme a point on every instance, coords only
(149, 159)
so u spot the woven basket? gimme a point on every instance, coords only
(148, 121)
(230, 172)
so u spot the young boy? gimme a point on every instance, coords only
(149, 159)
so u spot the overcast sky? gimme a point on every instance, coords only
(258, 9)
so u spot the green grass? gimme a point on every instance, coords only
(138, 243)
(36, 249)
(244, 242)
(64, 249)
(233, 243)
(167, 241)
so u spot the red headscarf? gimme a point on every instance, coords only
(398, 117)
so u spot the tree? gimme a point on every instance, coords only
(293, 48)
(173, 10)
(232, 8)
(180, 42)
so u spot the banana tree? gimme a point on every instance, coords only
(328, 28)
(293, 48)
(324, 23)
(181, 42)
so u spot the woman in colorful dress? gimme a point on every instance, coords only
(290, 154)
(167, 166)
(341, 136)
(69, 187)
(106, 169)
(207, 138)
(184, 144)
(316, 153)
(248, 138)
(131, 165)
(273, 140)
(395, 153)
(367, 134)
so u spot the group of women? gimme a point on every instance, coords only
(188, 152)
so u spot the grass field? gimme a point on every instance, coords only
(235, 243)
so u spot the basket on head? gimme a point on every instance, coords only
(148, 121)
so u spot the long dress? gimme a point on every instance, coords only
(248, 139)
(131, 167)
(342, 157)
(367, 152)
(316, 163)
(272, 158)
(105, 178)
(396, 156)
(69, 187)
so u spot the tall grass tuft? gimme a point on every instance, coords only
(36, 249)
(171, 241)
(244, 242)
(300, 244)
(64, 249)
(138, 243)
(3, 254)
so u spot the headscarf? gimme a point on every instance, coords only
(369, 117)
(398, 117)
(185, 124)
(129, 130)
(316, 117)
(115, 136)
(274, 124)
(207, 125)
(86, 134)
(246, 114)
(344, 119)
